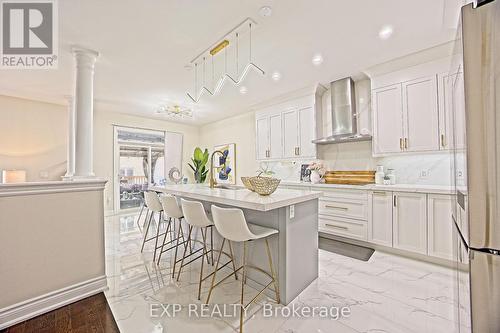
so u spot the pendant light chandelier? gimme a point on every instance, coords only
(211, 53)
(174, 111)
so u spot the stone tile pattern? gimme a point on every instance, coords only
(386, 294)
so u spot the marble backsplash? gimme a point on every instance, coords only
(424, 169)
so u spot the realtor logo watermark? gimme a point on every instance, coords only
(29, 34)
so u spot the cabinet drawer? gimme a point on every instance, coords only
(344, 194)
(344, 208)
(344, 227)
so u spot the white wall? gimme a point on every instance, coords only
(240, 130)
(33, 137)
(52, 238)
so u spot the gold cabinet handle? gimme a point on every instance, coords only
(443, 143)
(406, 143)
(401, 143)
(336, 207)
(336, 226)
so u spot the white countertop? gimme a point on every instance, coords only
(240, 197)
(418, 188)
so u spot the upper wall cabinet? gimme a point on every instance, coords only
(262, 143)
(286, 130)
(412, 109)
(388, 119)
(451, 95)
(406, 117)
(420, 114)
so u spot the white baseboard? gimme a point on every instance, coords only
(36, 306)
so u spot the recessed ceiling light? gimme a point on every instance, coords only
(265, 11)
(317, 59)
(243, 90)
(385, 32)
(276, 76)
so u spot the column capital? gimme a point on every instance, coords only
(77, 49)
(84, 56)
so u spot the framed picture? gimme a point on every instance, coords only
(225, 164)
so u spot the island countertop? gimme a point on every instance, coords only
(239, 197)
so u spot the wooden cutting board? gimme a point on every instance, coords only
(350, 177)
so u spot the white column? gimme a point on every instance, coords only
(70, 162)
(84, 111)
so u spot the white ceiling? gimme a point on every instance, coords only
(144, 46)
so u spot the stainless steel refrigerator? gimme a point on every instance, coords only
(475, 98)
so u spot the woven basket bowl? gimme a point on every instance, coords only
(246, 182)
(264, 185)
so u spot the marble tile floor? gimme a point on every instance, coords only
(386, 294)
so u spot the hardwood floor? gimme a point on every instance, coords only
(91, 314)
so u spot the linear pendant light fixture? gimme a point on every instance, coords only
(211, 52)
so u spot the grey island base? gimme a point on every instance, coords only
(294, 213)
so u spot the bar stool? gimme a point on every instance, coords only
(196, 217)
(154, 206)
(174, 212)
(143, 207)
(231, 225)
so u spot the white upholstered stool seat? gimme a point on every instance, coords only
(197, 219)
(260, 231)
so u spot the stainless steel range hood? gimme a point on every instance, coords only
(344, 118)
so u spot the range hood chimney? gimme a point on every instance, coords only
(344, 117)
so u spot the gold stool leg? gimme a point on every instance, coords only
(276, 288)
(242, 304)
(215, 271)
(165, 239)
(232, 259)
(157, 235)
(204, 236)
(176, 247)
(212, 244)
(147, 230)
(184, 254)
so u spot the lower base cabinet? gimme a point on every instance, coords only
(380, 218)
(439, 226)
(409, 222)
(414, 222)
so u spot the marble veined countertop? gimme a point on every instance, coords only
(240, 197)
(418, 188)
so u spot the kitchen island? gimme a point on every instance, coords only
(294, 213)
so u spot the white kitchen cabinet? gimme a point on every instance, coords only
(307, 125)
(290, 133)
(380, 218)
(268, 137)
(409, 216)
(262, 137)
(298, 132)
(285, 131)
(439, 226)
(420, 114)
(388, 119)
(451, 100)
(275, 137)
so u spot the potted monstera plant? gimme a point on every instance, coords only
(199, 164)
